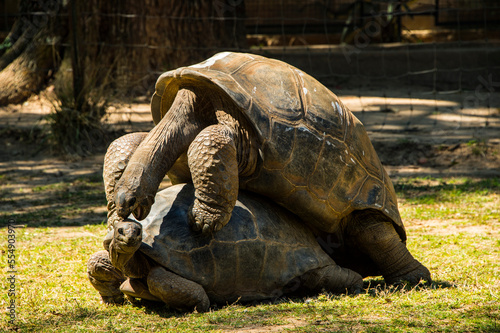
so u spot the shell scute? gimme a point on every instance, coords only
(363, 151)
(259, 183)
(329, 168)
(239, 232)
(353, 180)
(203, 266)
(280, 146)
(346, 189)
(177, 261)
(371, 194)
(282, 94)
(301, 201)
(306, 149)
(275, 256)
(316, 212)
(303, 254)
(226, 257)
(250, 264)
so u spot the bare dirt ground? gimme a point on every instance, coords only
(418, 135)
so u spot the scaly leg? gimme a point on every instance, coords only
(376, 237)
(189, 114)
(105, 278)
(333, 278)
(176, 291)
(214, 169)
(116, 159)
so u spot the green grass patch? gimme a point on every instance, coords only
(62, 203)
(462, 200)
(462, 252)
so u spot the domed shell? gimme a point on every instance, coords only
(316, 153)
(260, 250)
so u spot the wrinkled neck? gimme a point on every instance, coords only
(164, 144)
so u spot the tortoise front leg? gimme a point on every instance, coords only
(333, 278)
(376, 237)
(160, 149)
(138, 289)
(176, 291)
(105, 278)
(212, 159)
(116, 159)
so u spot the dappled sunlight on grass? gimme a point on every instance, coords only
(462, 253)
(458, 201)
(75, 202)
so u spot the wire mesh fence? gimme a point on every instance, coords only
(410, 66)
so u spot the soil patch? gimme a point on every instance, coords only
(293, 323)
(452, 227)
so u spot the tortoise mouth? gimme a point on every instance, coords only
(141, 211)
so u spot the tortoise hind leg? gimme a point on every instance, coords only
(176, 291)
(376, 237)
(333, 278)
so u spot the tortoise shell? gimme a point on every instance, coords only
(317, 159)
(261, 249)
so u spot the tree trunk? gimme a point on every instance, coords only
(22, 29)
(34, 53)
(124, 41)
(140, 40)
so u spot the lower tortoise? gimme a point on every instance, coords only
(263, 252)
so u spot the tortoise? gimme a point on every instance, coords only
(263, 252)
(243, 121)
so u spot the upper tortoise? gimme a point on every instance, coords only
(245, 121)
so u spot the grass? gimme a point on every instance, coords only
(453, 229)
(457, 199)
(62, 203)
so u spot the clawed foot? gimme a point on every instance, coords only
(201, 219)
(414, 277)
(136, 288)
(105, 278)
(113, 300)
(356, 288)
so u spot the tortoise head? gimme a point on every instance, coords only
(127, 236)
(133, 202)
